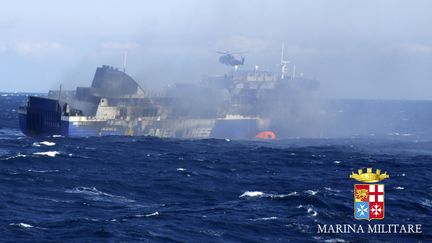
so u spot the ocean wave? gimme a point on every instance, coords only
(48, 153)
(309, 210)
(426, 203)
(252, 194)
(331, 189)
(18, 155)
(311, 192)
(335, 240)
(53, 200)
(147, 215)
(43, 171)
(267, 195)
(152, 214)
(23, 225)
(265, 219)
(97, 195)
(45, 143)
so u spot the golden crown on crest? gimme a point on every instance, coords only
(369, 176)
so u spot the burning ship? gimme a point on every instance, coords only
(239, 104)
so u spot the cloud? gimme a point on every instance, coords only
(306, 51)
(119, 45)
(3, 47)
(413, 48)
(37, 48)
(241, 43)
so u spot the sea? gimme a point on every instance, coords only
(146, 189)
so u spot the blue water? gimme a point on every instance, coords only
(150, 189)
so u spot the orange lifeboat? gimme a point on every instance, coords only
(266, 135)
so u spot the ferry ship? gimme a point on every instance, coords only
(238, 105)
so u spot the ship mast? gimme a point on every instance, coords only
(294, 72)
(59, 93)
(124, 61)
(283, 64)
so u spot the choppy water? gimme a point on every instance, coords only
(149, 189)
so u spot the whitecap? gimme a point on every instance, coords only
(227, 139)
(48, 153)
(252, 194)
(335, 240)
(311, 192)
(47, 143)
(147, 215)
(88, 191)
(331, 189)
(97, 195)
(181, 169)
(265, 219)
(24, 225)
(268, 195)
(18, 155)
(43, 171)
(337, 161)
(309, 210)
(427, 203)
(283, 195)
(91, 219)
(312, 212)
(152, 214)
(399, 188)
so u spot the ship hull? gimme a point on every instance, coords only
(43, 117)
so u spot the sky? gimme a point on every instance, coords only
(356, 49)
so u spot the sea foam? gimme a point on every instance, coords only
(48, 153)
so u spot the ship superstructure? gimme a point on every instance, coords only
(239, 104)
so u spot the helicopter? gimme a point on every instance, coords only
(228, 58)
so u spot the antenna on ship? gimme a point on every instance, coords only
(283, 63)
(294, 70)
(124, 61)
(59, 94)
(282, 52)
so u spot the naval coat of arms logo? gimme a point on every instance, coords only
(369, 198)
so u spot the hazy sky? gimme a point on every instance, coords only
(361, 49)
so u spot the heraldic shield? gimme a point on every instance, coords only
(369, 201)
